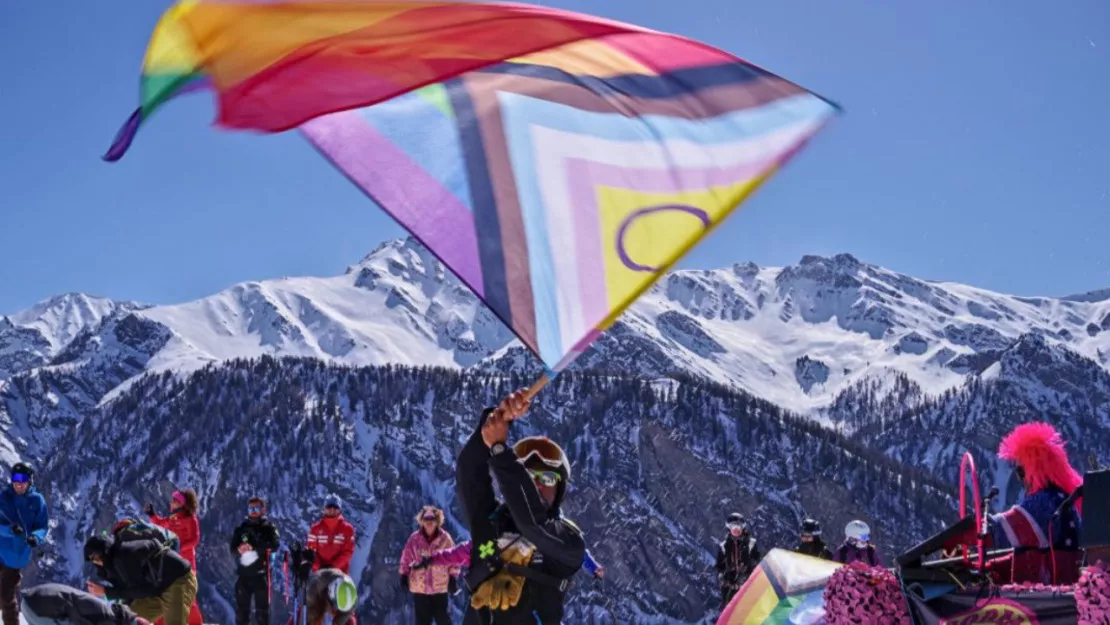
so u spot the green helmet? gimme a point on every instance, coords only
(343, 594)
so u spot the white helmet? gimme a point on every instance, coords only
(857, 531)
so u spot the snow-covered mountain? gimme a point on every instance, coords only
(797, 336)
(831, 387)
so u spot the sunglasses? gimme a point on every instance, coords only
(254, 508)
(431, 519)
(20, 478)
(547, 478)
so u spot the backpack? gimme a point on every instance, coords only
(132, 529)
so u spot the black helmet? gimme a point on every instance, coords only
(23, 470)
(811, 527)
(736, 519)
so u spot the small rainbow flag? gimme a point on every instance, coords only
(784, 585)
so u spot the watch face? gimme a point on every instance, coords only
(498, 448)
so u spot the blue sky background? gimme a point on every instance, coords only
(975, 148)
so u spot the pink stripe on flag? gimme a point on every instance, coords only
(402, 188)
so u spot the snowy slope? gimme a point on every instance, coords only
(797, 336)
(396, 306)
(32, 337)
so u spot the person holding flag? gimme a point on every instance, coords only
(524, 550)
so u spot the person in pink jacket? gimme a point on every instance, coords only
(431, 584)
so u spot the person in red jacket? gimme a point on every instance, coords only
(332, 538)
(182, 521)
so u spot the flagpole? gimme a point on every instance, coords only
(539, 384)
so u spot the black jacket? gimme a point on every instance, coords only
(69, 606)
(560, 548)
(262, 536)
(737, 557)
(140, 569)
(816, 548)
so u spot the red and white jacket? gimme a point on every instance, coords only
(333, 540)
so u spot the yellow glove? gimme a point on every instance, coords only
(503, 590)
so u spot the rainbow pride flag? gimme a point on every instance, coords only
(557, 163)
(786, 587)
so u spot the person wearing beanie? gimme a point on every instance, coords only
(332, 538)
(251, 545)
(811, 542)
(737, 557)
(524, 550)
(55, 604)
(149, 574)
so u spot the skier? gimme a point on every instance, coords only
(431, 585)
(811, 542)
(137, 567)
(24, 522)
(526, 551)
(737, 557)
(251, 545)
(331, 592)
(55, 604)
(857, 545)
(332, 538)
(182, 521)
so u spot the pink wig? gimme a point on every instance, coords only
(1039, 450)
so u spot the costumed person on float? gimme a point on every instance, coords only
(1036, 451)
(525, 551)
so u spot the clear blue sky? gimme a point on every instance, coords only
(976, 148)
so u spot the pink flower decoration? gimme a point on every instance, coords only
(1092, 595)
(857, 594)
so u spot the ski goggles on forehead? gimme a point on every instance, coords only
(20, 478)
(540, 450)
(546, 478)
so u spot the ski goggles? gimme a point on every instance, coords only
(541, 450)
(546, 478)
(20, 478)
(734, 526)
(430, 516)
(253, 509)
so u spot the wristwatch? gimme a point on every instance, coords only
(496, 449)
